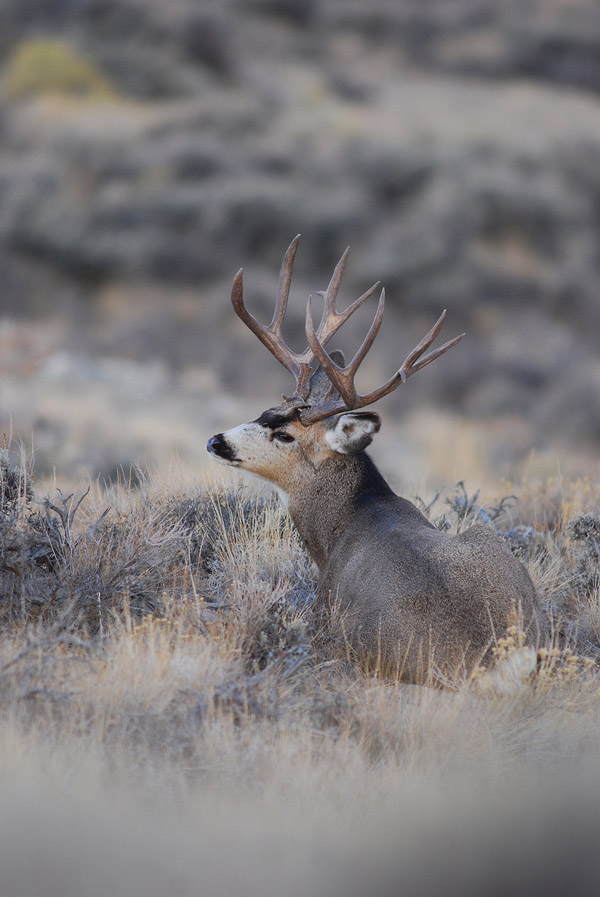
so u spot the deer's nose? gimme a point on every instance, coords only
(220, 448)
(216, 444)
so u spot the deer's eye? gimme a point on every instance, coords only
(283, 437)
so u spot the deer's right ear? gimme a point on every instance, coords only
(353, 431)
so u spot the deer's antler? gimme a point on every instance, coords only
(342, 378)
(298, 363)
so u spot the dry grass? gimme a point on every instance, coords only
(170, 725)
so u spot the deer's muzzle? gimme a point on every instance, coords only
(219, 447)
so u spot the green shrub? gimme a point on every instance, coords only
(44, 66)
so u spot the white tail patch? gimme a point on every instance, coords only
(508, 675)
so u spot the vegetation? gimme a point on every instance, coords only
(157, 646)
(170, 722)
(454, 146)
(45, 66)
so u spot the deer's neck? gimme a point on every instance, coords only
(324, 507)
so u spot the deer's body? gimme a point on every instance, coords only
(394, 592)
(403, 596)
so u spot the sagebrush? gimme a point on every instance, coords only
(158, 647)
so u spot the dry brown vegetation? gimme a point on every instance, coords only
(172, 724)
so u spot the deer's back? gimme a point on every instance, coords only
(412, 596)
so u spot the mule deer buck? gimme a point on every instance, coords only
(405, 598)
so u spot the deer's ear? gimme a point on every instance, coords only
(353, 431)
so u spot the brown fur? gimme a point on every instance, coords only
(406, 598)
(397, 594)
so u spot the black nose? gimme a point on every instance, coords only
(218, 445)
(215, 444)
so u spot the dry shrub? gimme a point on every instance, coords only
(179, 607)
(73, 561)
(41, 65)
(199, 692)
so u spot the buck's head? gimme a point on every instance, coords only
(322, 420)
(284, 447)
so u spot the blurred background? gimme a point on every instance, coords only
(149, 149)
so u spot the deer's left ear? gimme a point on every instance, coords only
(353, 431)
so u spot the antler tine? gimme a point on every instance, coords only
(409, 365)
(271, 336)
(423, 344)
(332, 320)
(370, 337)
(431, 356)
(285, 280)
(333, 287)
(343, 378)
(333, 371)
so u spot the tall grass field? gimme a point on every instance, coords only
(171, 723)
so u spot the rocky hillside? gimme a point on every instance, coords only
(148, 150)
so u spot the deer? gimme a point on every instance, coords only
(401, 597)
